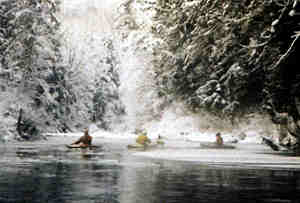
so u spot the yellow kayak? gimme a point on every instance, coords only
(139, 146)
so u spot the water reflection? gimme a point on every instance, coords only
(205, 184)
(106, 179)
(60, 182)
(178, 183)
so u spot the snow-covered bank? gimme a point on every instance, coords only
(195, 137)
(177, 128)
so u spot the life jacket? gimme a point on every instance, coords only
(87, 140)
(142, 139)
(219, 141)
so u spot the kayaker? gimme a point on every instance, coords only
(159, 140)
(143, 139)
(219, 139)
(85, 140)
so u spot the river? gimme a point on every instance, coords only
(47, 171)
(181, 172)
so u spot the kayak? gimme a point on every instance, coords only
(210, 145)
(139, 146)
(80, 147)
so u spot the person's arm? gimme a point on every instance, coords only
(78, 141)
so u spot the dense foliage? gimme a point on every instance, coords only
(30, 58)
(223, 55)
(93, 66)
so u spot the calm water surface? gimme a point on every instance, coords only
(43, 172)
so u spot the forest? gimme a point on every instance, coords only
(228, 58)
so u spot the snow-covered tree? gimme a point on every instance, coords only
(94, 73)
(31, 64)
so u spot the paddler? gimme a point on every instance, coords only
(143, 139)
(219, 139)
(85, 140)
(159, 140)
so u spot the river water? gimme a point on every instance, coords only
(46, 171)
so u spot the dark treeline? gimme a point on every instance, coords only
(227, 56)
